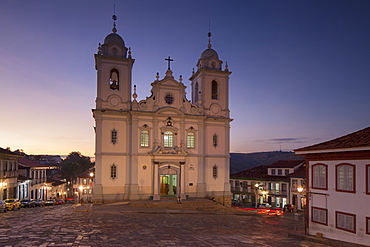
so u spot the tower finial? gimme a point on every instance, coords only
(209, 35)
(114, 17)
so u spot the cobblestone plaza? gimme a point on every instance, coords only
(202, 223)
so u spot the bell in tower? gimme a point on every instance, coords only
(114, 80)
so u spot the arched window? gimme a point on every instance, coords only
(190, 140)
(114, 136)
(345, 177)
(196, 93)
(214, 90)
(168, 139)
(144, 138)
(215, 140)
(114, 79)
(113, 171)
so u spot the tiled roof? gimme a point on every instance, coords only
(30, 163)
(300, 173)
(359, 138)
(286, 164)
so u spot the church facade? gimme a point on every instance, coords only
(164, 145)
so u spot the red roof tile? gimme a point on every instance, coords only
(359, 138)
(286, 164)
(31, 163)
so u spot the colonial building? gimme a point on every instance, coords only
(8, 174)
(269, 183)
(166, 144)
(338, 187)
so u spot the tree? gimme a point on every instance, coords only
(74, 164)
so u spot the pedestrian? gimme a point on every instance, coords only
(179, 200)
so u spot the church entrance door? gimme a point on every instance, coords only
(168, 185)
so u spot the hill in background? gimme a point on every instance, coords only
(241, 161)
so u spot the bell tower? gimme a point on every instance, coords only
(210, 84)
(113, 63)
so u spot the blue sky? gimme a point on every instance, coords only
(300, 68)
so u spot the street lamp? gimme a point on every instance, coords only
(256, 192)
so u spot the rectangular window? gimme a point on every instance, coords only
(294, 183)
(273, 172)
(283, 187)
(345, 177)
(368, 179)
(144, 138)
(190, 140)
(320, 215)
(215, 172)
(84, 181)
(215, 140)
(367, 225)
(345, 221)
(168, 139)
(113, 171)
(319, 176)
(280, 172)
(114, 136)
(286, 172)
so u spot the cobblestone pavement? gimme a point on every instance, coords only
(142, 225)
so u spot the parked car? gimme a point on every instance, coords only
(27, 203)
(12, 204)
(288, 208)
(59, 202)
(50, 202)
(39, 203)
(3, 206)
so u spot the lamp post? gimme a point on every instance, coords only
(256, 193)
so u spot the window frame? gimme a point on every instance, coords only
(168, 98)
(322, 210)
(190, 140)
(168, 139)
(273, 171)
(368, 225)
(113, 171)
(353, 190)
(114, 136)
(313, 178)
(214, 90)
(144, 138)
(215, 171)
(345, 214)
(215, 140)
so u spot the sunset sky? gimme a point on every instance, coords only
(300, 69)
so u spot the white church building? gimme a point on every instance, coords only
(165, 145)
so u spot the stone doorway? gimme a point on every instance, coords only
(168, 185)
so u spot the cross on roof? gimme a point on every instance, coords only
(169, 62)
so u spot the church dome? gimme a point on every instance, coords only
(208, 53)
(114, 38)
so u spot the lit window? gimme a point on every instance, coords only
(345, 174)
(345, 221)
(214, 90)
(215, 172)
(320, 215)
(168, 139)
(215, 140)
(84, 181)
(190, 140)
(114, 136)
(168, 98)
(319, 176)
(144, 138)
(113, 171)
